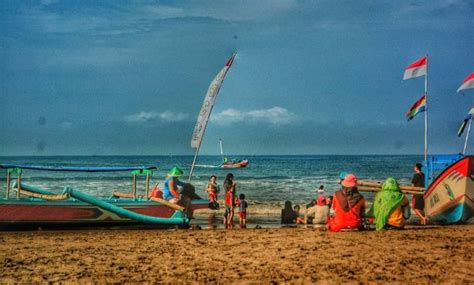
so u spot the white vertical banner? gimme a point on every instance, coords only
(208, 104)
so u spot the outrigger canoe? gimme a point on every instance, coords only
(235, 164)
(449, 198)
(34, 206)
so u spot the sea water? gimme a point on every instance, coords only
(267, 182)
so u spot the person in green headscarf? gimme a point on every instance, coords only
(390, 206)
(170, 190)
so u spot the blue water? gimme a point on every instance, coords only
(267, 182)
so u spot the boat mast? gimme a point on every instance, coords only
(222, 151)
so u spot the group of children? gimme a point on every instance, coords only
(232, 200)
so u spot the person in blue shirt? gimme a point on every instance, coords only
(170, 190)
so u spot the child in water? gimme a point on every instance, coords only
(242, 210)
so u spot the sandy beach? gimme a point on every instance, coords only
(418, 254)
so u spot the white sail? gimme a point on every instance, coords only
(208, 104)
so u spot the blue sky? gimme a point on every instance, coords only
(310, 77)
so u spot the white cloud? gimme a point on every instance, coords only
(275, 115)
(173, 117)
(65, 125)
(166, 116)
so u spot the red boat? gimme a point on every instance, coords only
(449, 198)
(235, 164)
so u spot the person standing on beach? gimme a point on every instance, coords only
(348, 205)
(230, 188)
(418, 203)
(242, 210)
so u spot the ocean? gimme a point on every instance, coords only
(267, 182)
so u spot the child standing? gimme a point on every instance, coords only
(242, 210)
(212, 189)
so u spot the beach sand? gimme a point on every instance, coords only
(302, 255)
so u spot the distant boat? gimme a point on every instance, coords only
(226, 163)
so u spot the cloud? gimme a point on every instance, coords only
(65, 125)
(275, 115)
(166, 116)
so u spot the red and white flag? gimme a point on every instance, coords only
(467, 83)
(418, 68)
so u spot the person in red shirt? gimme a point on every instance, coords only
(229, 187)
(348, 205)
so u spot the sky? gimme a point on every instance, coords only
(310, 77)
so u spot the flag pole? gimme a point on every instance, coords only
(467, 136)
(426, 111)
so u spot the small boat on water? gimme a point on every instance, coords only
(34, 206)
(235, 164)
(226, 163)
(449, 198)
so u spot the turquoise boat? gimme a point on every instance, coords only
(36, 207)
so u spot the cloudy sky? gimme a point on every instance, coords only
(310, 77)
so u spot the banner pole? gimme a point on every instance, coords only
(426, 111)
(467, 136)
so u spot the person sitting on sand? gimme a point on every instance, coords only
(348, 205)
(342, 175)
(298, 219)
(230, 188)
(389, 206)
(317, 213)
(288, 215)
(329, 200)
(242, 210)
(418, 203)
(170, 190)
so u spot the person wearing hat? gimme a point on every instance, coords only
(348, 205)
(317, 211)
(170, 190)
(342, 175)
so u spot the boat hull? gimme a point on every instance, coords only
(239, 164)
(37, 212)
(450, 198)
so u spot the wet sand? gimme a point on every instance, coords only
(419, 254)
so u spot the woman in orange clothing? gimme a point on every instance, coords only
(348, 205)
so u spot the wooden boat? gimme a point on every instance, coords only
(34, 206)
(449, 198)
(231, 163)
(235, 164)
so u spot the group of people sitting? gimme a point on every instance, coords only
(347, 208)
